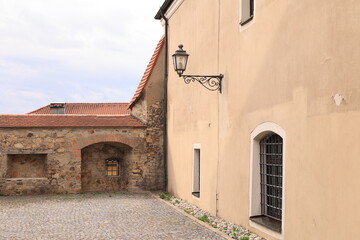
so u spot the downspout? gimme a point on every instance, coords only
(166, 75)
(219, 119)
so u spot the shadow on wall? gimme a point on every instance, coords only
(105, 166)
(26, 166)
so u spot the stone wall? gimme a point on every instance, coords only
(93, 167)
(155, 146)
(150, 109)
(139, 110)
(25, 186)
(63, 146)
(75, 156)
(26, 166)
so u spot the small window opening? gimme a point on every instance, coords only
(112, 167)
(196, 173)
(247, 11)
(57, 108)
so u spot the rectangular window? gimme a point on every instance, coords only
(112, 167)
(271, 176)
(57, 110)
(196, 172)
(247, 11)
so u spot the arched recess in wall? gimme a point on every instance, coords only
(105, 166)
(267, 132)
(77, 145)
(95, 139)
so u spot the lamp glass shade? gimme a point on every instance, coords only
(174, 62)
(180, 59)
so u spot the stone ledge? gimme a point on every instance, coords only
(22, 151)
(24, 179)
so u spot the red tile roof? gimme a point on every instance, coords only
(148, 71)
(60, 120)
(90, 109)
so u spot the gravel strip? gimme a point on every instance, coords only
(231, 229)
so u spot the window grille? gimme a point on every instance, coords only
(271, 150)
(112, 167)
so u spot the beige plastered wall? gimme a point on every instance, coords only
(285, 67)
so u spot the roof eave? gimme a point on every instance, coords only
(132, 103)
(70, 126)
(147, 74)
(163, 9)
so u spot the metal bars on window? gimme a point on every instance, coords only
(112, 167)
(271, 150)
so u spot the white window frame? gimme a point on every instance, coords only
(255, 200)
(196, 146)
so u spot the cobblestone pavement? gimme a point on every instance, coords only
(95, 216)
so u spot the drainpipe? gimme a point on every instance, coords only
(166, 75)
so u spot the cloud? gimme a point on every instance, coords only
(11, 68)
(25, 101)
(90, 44)
(107, 94)
(87, 34)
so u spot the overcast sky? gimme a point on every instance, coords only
(73, 50)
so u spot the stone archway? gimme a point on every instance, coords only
(95, 168)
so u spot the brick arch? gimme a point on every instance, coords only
(97, 139)
(80, 144)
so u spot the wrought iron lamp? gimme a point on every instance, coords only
(210, 82)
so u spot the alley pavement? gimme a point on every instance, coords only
(115, 215)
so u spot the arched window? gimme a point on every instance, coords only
(112, 167)
(271, 148)
(267, 179)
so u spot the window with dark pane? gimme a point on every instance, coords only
(247, 11)
(271, 168)
(112, 167)
(196, 173)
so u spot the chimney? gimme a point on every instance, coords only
(57, 108)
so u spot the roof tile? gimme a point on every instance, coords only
(90, 109)
(144, 80)
(57, 120)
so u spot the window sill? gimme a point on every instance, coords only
(246, 21)
(196, 194)
(267, 222)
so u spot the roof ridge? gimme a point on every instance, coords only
(38, 109)
(65, 115)
(96, 103)
(107, 108)
(48, 120)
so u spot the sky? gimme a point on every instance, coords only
(73, 50)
